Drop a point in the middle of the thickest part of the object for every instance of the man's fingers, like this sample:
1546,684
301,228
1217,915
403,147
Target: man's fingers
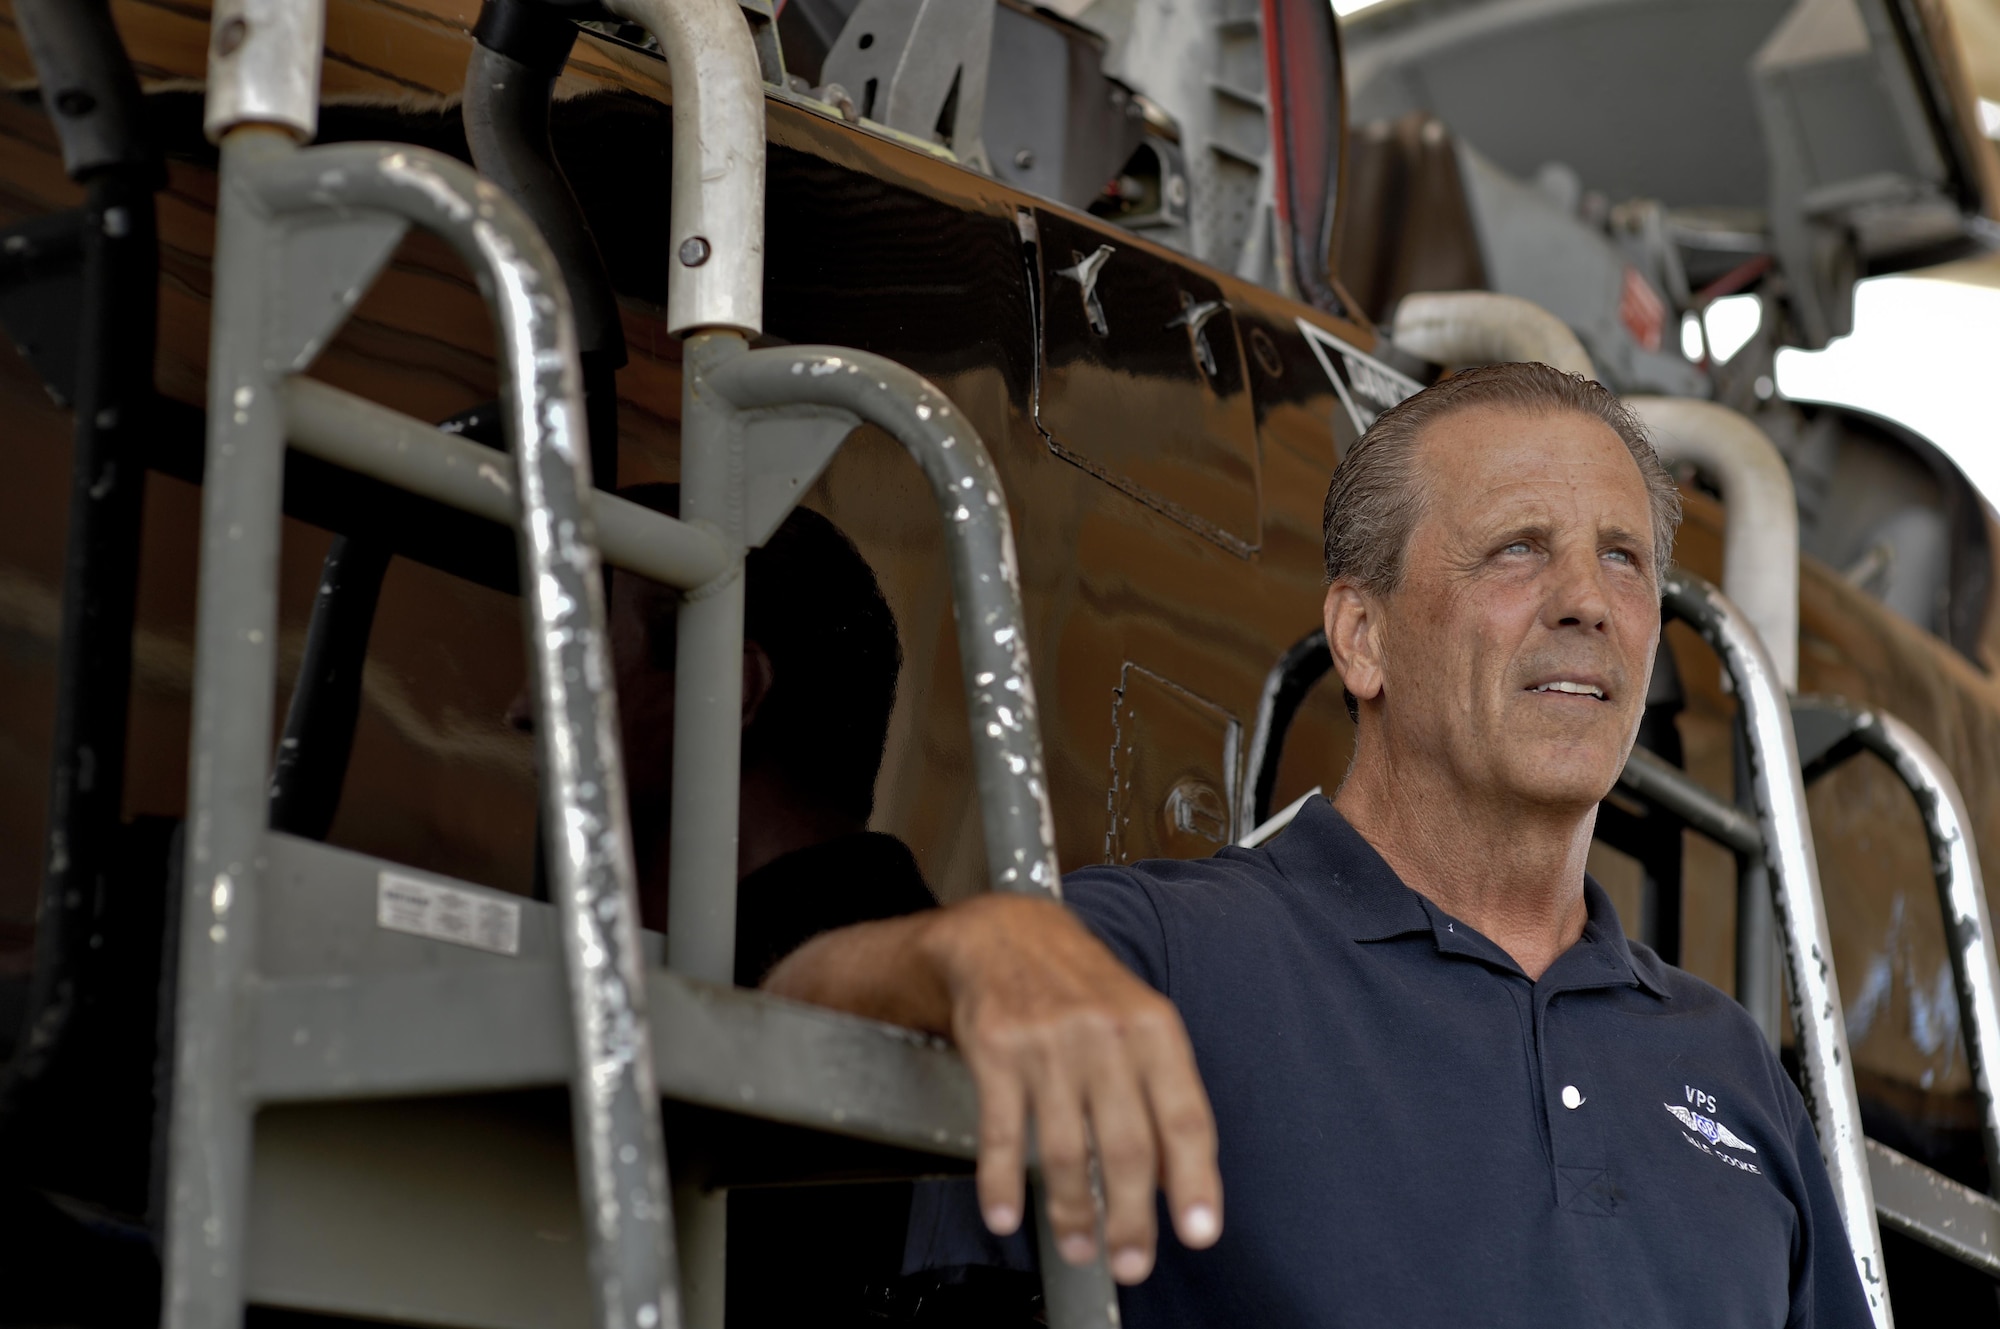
1002,1147
1064,1146
1186,1130
1128,1164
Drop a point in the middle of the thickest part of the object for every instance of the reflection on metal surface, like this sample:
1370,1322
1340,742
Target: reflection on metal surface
1174,758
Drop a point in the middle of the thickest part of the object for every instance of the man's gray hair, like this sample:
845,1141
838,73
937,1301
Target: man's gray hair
1377,491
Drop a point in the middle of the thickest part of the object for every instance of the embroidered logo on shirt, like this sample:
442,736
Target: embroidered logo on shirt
1714,1131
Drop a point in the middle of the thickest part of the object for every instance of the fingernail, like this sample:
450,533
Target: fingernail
1199,1225
1077,1248
1002,1219
1130,1265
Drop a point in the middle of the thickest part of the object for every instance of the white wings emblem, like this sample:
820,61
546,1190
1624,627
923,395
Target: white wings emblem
1714,1131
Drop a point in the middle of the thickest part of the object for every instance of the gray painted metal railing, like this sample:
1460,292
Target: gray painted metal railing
1918,1202
1826,1076
1961,899
757,428
300,234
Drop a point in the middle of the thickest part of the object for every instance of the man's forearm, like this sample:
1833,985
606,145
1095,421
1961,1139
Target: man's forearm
887,970
915,970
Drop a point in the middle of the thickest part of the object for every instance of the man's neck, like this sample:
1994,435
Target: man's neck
1513,873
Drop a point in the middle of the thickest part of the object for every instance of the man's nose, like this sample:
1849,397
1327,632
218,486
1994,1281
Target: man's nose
1579,597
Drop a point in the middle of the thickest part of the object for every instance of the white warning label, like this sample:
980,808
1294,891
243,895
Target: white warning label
446,913
1365,385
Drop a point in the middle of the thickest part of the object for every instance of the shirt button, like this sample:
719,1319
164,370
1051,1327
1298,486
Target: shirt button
1572,1097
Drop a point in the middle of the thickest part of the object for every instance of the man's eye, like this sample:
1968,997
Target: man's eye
1516,547
1622,555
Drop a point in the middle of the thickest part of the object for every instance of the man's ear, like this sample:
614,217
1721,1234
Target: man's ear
758,676
1353,621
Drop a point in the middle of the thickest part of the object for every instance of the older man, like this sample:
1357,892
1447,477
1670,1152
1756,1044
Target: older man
1446,1089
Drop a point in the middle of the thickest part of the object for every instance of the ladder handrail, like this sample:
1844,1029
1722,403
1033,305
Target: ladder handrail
1961,889
715,266
359,198
1962,900
1826,1070
1018,823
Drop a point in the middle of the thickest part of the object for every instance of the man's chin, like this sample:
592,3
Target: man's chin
1564,779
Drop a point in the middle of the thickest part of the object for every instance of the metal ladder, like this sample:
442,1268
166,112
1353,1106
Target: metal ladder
310,975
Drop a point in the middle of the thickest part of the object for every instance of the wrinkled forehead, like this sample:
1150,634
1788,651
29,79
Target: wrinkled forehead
1490,466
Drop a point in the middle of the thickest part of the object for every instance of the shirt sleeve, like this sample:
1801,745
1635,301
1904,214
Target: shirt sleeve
1826,1285
1114,904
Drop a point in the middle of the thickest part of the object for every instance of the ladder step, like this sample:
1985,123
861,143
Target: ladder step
370,1012
1669,788
1920,1203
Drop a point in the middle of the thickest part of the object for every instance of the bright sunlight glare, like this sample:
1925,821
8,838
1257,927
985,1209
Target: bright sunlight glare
1732,322
1691,347
1923,354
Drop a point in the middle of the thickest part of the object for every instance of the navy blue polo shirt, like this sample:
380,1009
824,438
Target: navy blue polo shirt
1412,1133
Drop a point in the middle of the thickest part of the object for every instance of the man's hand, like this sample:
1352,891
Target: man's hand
1055,1030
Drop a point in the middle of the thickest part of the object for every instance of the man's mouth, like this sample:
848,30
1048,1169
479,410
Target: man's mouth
1571,686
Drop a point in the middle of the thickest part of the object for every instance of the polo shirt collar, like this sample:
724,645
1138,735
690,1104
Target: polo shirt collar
1323,853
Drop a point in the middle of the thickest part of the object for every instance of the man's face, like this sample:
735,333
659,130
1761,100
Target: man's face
1516,651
